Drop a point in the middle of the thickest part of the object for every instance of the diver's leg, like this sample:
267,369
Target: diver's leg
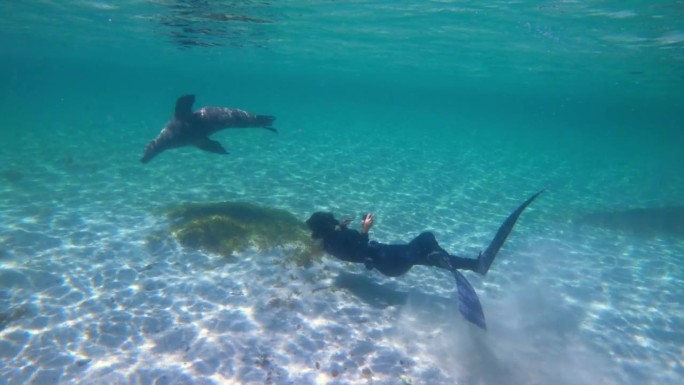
424,250
427,252
461,263
445,261
390,260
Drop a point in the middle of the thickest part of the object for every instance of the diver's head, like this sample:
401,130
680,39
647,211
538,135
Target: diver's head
321,224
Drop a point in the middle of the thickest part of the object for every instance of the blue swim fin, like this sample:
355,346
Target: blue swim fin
468,304
489,254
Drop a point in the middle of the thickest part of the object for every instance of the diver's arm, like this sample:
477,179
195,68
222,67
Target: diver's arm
366,223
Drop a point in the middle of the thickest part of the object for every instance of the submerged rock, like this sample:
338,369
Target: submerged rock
226,228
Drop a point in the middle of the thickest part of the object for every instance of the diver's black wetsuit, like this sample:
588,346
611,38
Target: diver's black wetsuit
395,260
392,260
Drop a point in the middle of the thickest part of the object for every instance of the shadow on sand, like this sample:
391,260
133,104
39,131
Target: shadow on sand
382,295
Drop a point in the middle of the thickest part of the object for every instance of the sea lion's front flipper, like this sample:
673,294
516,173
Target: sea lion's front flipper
211,146
184,107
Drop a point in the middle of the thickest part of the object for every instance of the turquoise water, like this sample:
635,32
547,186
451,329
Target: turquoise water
440,115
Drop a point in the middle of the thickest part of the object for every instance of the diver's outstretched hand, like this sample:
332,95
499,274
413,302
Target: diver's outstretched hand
366,223
487,257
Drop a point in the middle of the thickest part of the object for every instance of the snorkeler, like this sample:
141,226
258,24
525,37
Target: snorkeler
395,260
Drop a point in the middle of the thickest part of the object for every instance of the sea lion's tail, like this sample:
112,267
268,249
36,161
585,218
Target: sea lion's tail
266,121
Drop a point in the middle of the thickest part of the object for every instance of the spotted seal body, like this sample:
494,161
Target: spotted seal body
188,128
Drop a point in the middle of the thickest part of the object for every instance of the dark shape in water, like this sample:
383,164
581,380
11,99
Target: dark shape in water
12,175
242,18
187,128
210,24
374,294
13,314
83,362
646,222
228,227
189,43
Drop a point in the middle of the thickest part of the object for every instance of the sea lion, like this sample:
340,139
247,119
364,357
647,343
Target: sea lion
188,128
